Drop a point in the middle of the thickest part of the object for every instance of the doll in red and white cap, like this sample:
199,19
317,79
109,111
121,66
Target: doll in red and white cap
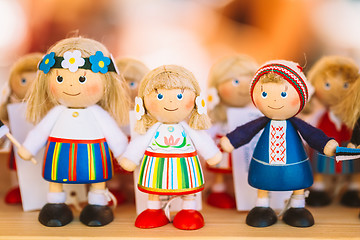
280,91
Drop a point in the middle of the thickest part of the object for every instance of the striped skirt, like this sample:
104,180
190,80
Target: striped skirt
170,174
327,165
77,161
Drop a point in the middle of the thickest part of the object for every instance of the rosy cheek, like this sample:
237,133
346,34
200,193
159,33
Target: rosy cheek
189,104
225,91
295,102
92,89
152,105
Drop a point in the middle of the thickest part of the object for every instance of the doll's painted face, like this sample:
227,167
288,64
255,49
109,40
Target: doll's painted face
77,90
277,101
330,89
21,83
235,92
170,106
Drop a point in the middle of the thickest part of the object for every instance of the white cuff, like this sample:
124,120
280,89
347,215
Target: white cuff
354,186
218,187
318,186
98,197
56,197
262,202
153,204
297,201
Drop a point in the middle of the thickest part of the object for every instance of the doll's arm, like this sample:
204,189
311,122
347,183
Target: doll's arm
38,136
316,138
115,138
243,134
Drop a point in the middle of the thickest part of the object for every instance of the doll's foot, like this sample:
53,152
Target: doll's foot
119,195
318,198
298,217
151,218
261,217
221,200
351,199
96,215
188,220
55,215
13,196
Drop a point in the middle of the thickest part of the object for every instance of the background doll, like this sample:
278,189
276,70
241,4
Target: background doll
22,74
169,96
332,76
229,81
77,99
279,163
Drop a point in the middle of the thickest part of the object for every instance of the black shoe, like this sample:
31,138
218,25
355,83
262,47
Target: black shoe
351,199
318,198
55,215
261,217
298,217
96,215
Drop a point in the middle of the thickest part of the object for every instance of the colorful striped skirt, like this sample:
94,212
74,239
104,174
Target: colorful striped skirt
170,174
77,161
327,165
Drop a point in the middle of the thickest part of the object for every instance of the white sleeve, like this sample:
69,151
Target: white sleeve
137,146
204,144
115,138
38,136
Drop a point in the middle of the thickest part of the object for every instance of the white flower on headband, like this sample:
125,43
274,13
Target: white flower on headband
72,60
201,104
139,108
213,98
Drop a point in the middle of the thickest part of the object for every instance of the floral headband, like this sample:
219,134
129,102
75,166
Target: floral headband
73,61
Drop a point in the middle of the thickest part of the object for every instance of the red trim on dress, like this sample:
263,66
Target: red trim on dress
89,141
170,192
170,155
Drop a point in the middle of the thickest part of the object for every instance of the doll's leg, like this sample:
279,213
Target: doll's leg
55,213
351,197
297,215
188,218
97,212
261,215
218,196
318,195
154,216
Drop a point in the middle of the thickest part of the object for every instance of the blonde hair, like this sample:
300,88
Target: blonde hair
27,63
227,68
170,77
131,69
115,99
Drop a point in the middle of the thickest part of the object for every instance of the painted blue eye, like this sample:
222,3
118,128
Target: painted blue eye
160,96
264,94
23,81
132,85
180,96
327,86
235,82
284,94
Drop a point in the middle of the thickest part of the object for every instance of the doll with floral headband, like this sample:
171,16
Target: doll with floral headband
280,90
229,79
77,100
332,78
170,116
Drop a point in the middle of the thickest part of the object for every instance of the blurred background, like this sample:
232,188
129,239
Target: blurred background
191,33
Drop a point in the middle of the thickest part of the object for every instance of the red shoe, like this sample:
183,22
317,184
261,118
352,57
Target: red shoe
188,220
151,218
119,195
13,196
221,200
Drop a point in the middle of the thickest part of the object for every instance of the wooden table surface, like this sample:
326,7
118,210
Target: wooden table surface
333,222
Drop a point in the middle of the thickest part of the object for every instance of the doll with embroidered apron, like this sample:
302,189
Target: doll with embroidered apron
332,77
77,100
229,79
280,90
171,114
22,74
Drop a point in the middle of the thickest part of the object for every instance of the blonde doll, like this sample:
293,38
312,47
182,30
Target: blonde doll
77,100
22,74
280,91
332,77
169,96
229,81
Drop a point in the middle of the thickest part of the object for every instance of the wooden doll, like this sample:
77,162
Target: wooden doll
169,97
332,76
279,163
229,81
77,101
22,74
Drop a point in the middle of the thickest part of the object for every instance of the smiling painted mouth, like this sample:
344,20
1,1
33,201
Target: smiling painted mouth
73,95
171,110
276,108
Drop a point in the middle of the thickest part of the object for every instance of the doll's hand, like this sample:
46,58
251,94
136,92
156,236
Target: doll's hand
215,159
330,147
127,164
226,144
351,145
24,153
